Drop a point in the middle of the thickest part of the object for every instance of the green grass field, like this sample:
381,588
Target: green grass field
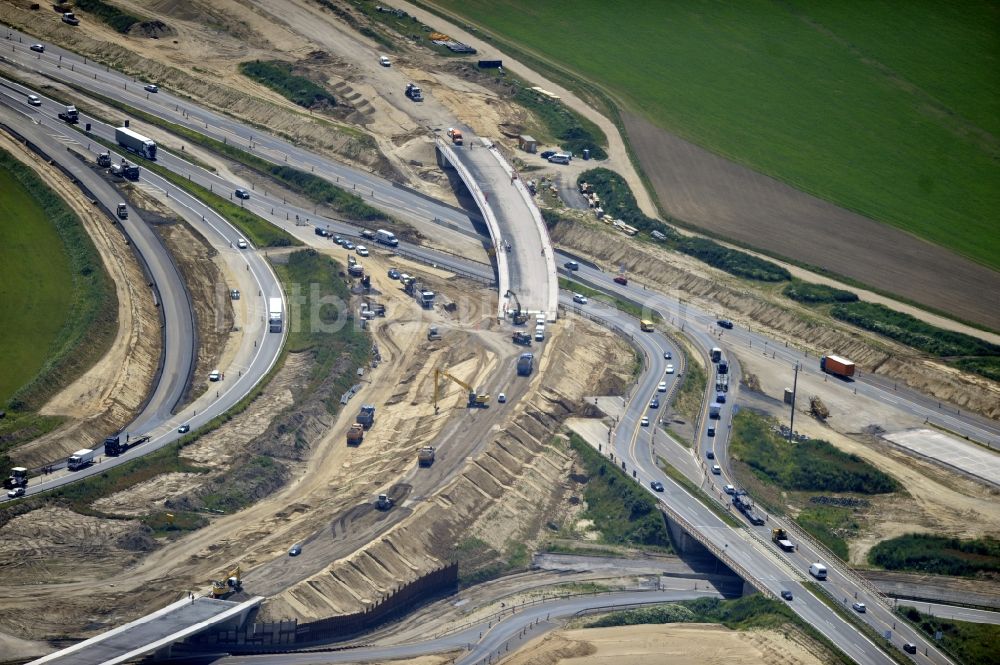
35,285
890,109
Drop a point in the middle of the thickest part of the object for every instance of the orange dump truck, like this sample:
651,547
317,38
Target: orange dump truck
456,136
355,435
837,366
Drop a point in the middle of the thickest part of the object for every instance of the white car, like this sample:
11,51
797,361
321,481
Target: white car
362,250
34,100
716,469
662,387
16,492
729,489
501,398
670,369
384,61
644,422
241,243
215,375
150,88
580,298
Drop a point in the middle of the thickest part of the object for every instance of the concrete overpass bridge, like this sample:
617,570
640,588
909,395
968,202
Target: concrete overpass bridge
524,256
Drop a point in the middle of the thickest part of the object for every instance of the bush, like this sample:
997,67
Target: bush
732,261
278,76
969,642
740,614
912,331
575,134
114,17
938,555
811,465
323,191
619,202
811,294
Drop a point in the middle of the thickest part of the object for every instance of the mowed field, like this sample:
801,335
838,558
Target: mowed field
889,109
35,286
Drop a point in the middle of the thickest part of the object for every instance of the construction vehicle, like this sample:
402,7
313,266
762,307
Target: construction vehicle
427,299
232,583
456,135
476,398
122,211
70,115
113,445
425,456
433,334
522,338
356,270
18,478
125,170
384,502
366,416
356,434
520,318
525,364
414,92
837,366
104,160
780,538
744,504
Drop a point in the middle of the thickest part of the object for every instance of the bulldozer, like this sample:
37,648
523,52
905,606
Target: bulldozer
477,398
232,583
519,317
433,334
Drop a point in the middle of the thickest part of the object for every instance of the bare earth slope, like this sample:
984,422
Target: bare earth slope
723,197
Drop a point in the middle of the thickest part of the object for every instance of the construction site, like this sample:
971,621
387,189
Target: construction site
448,414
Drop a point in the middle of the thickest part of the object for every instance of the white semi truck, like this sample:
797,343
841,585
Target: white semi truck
135,142
274,315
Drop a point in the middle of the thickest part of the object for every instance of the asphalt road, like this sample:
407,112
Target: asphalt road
259,349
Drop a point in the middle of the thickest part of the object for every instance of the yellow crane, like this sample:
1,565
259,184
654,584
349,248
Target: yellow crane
476,398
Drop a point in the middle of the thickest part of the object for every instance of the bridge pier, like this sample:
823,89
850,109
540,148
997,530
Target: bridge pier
442,160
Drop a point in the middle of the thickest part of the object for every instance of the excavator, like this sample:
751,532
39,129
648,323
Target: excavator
233,582
476,398
520,318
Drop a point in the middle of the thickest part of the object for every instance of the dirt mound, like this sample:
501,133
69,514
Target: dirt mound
681,276
152,30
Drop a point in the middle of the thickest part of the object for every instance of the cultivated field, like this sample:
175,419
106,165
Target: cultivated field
34,274
889,109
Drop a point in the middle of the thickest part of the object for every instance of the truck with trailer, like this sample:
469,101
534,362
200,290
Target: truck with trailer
723,367
115,445
274,315
18,478
386,238
104,159
356,434
425,456
780,538
744,504
722,383
715,411
837,365
80,459
525,364
70,115
135,142
366,416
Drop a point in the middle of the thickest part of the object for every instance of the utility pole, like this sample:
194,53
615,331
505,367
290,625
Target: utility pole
795,386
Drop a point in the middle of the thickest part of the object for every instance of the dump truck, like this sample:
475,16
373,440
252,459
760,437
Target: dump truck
18,478
114,445
356,434
384,502
477,398
780,538
433,334
70,115
427,299
122,211
104,160
125,170
355,270
413,92
521,338
525,364
135,142
366,416
80,459
455,135
837,365
425,456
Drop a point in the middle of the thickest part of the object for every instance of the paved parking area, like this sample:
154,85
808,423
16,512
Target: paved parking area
968,457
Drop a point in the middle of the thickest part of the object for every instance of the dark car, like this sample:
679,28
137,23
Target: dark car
725,323
710,454
546,154
40,48
910,647
184,429
711,431
787,595
654,403
242,194
621,279
667,355
572,265
322,232
393,273
657,486
295,551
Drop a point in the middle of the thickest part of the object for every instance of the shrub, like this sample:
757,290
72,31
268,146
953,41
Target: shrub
574,133
116,18
938,555
278,76
732,261
811,294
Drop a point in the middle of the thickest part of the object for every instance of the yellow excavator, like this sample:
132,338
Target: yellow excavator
519,317
233,582
476,398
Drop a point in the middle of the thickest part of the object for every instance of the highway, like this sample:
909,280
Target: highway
748,548
259,349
